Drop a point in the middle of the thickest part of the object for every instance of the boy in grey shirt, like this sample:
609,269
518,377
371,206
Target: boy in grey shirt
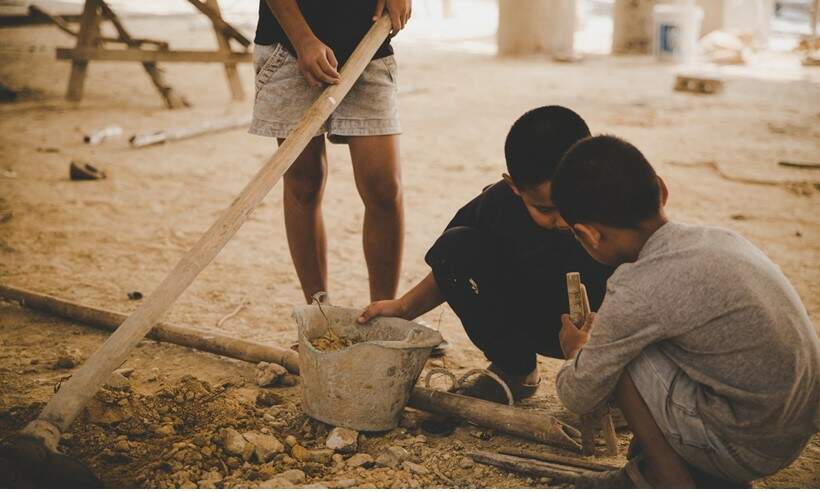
701,340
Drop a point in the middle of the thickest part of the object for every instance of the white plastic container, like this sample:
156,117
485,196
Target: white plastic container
676,29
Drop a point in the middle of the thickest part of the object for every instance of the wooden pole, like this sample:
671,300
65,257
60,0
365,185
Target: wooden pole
231,73
578,311
536,425
163,332
526,466
73,395
557,458
171,98
86,39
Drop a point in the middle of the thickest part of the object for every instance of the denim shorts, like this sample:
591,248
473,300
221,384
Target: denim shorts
283,96
671,397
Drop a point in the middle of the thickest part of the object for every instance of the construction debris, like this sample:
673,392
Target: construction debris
83,171
697,84
97,137
162,136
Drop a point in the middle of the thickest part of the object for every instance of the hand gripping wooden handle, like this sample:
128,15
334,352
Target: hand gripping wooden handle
64,407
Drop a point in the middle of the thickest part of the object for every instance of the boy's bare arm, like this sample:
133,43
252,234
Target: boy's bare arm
316,60
399,11
420,299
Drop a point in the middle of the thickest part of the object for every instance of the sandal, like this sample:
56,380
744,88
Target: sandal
486,387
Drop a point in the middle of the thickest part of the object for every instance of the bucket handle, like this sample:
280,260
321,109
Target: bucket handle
458,383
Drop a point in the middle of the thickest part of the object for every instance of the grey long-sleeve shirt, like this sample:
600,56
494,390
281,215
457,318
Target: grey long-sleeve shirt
727,316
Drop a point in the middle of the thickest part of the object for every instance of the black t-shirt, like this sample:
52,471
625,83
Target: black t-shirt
340,24
536,260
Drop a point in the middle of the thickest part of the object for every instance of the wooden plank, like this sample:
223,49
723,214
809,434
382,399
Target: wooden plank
557,458
231,73
89,30
137,55
220,23
169,96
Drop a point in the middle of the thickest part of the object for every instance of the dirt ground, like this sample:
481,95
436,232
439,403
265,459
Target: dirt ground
96,241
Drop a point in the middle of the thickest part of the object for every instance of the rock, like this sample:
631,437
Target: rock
268,373
338,460
265,447
101,413
342,440
124,371
166,430
289,380
345,483
206,484
466,463
117,382
267,398
415,468
387,460
235,444
68,359
360,459
187,485
324,456
122,445
275,483
291,441
293,476
399,452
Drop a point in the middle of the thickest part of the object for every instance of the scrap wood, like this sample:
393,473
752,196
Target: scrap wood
527,466
556,459
164,332
162,136
62,24
532,424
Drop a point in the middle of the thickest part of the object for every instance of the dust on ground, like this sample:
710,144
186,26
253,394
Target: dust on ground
96,241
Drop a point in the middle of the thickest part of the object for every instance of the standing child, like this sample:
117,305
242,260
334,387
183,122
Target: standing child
701,339
299,47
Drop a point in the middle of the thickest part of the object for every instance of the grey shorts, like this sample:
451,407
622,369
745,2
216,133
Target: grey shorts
671,397
283,96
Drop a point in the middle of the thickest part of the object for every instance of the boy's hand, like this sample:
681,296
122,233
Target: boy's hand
573,338
378,309
399,10
317,62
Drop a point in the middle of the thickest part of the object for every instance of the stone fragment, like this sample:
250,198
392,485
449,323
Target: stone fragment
275,483
324,456
267,398
360,459
387,460
166,430
265,447
117,382
399,452
235,444
293,476
342,440
68,359
291,441
268,374
289,380
415,468
466,463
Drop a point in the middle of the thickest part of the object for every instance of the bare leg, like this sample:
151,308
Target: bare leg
303,189
664,467
378,179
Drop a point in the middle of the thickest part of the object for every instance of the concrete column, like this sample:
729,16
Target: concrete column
632,26
535,26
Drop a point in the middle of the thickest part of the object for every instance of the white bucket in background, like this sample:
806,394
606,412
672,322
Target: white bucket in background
676,29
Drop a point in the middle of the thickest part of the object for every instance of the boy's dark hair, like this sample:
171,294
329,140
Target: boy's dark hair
537,141
606,180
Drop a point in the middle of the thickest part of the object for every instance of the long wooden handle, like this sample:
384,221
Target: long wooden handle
214,343
64,407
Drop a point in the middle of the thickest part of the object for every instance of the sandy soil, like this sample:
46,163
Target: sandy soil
96,241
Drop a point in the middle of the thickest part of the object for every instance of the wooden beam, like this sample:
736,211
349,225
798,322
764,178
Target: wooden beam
133,54
231,73
219,23
169,96
86,39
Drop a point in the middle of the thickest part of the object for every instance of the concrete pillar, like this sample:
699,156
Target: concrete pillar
535,26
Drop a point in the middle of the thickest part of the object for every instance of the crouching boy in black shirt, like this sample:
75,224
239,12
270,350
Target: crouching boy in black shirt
501,263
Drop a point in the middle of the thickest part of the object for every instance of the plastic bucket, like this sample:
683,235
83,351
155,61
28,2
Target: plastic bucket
365,386
676,29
